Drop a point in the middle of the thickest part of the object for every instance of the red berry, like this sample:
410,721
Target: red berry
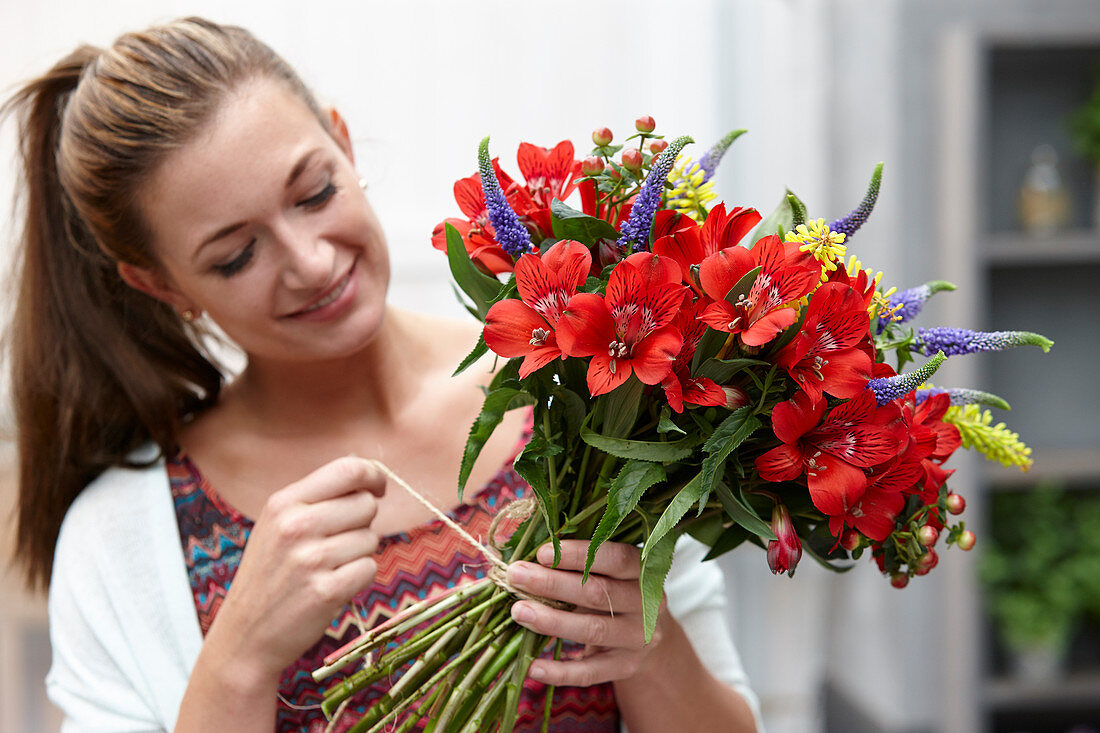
632,159
592,165
927,535
899,580
927,561
955,503
849,540
657,146
602,136
645,123
966,540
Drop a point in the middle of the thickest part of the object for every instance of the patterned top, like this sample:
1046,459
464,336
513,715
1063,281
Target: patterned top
426,559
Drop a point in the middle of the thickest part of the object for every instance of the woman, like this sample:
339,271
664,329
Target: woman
186,170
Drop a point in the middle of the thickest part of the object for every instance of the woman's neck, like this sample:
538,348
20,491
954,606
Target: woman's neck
372,385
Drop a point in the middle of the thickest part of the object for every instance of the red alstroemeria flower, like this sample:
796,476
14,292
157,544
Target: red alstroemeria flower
832,453
785,276
689,246
679,385
825,355
481,247
874,512
526,327
627,332
549,174
937,441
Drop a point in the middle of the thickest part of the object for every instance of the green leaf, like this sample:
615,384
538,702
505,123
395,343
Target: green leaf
743,286
642,450
674,512
740,512
798,209
567,410
655,568
722,370
730,538
781,218
479,351
665,424
533,470
568,223
622,496
709,345
725,439
621,407
479,287
497,402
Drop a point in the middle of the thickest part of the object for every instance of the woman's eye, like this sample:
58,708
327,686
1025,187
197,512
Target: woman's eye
318,200
235,265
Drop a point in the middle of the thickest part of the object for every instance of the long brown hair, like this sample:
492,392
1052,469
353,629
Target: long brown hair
97,368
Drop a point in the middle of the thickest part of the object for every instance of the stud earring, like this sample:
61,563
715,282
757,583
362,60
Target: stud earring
187,315
363,183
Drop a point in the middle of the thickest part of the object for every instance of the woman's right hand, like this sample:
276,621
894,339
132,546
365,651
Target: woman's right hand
310,551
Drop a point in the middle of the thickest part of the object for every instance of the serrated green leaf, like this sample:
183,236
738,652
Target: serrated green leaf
568,223
622,496
740,512
497,402
674,512
655,568
725,439
642,450
479,350
480,288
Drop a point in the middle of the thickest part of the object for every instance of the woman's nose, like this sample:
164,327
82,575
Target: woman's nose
309,260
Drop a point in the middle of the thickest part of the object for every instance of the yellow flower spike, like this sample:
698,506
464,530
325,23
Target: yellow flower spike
995,442
691,192
827,247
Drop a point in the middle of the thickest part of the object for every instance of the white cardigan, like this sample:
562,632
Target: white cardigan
125,632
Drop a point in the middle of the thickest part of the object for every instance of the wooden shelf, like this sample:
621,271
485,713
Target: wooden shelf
1065,465
1073,690
1016,249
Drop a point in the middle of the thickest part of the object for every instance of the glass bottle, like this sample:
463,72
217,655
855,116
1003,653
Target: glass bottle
1044,202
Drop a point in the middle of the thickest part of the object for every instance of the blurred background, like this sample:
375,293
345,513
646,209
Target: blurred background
987,116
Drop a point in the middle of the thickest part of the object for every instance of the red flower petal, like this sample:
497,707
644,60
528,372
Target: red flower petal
570,261
780,464
653,356
540,357
796,417
703,391
508,328
835,485
585,327
605,373
720,271
765,329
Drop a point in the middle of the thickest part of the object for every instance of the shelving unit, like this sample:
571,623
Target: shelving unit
1047,284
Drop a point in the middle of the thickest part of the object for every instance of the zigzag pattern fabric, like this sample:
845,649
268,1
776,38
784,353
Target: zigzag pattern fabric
426,559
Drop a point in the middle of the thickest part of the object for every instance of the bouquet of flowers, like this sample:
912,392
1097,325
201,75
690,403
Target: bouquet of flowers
692,369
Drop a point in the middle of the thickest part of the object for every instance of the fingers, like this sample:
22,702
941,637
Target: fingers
613,559
336,478
599,592
617,664
596,629
332,552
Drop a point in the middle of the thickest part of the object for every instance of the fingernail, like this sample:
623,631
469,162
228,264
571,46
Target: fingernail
536,672
546,554
518,574
522,613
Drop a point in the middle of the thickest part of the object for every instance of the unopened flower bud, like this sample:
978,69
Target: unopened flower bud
592,165
955,503
927,561
614,173
602,136
899,580
927,535
735,397
632,159
966,540
849,540
657,146
784,552
645,123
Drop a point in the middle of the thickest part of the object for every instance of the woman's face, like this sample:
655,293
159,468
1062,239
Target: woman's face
260,222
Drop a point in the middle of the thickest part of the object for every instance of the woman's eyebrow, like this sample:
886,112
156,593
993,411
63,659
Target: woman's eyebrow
296,171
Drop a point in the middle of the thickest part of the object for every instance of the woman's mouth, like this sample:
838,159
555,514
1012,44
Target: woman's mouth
333,302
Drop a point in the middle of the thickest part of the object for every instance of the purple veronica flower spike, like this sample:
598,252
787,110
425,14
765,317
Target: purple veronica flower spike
849,224
709,162
887,389
911,301
955,341
511,235
635,230
962,396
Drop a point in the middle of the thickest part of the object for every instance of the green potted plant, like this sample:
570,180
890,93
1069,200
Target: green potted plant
1031,571
1084,125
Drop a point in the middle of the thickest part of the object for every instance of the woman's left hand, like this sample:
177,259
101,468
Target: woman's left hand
607,619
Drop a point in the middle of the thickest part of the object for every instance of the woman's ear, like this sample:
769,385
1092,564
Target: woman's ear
338,128
154,285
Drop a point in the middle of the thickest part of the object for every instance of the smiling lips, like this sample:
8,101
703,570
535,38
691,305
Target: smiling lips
329,298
